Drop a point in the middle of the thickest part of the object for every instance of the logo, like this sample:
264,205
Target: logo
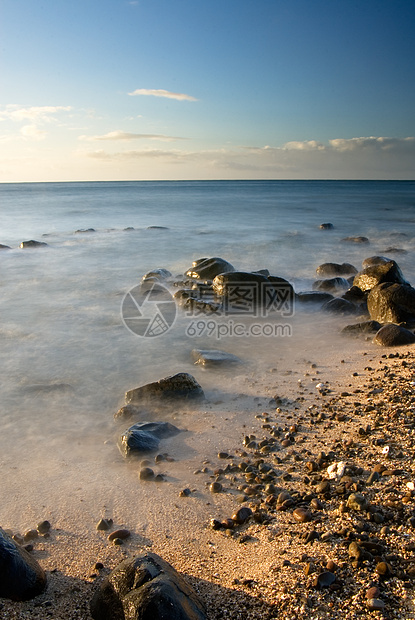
148,310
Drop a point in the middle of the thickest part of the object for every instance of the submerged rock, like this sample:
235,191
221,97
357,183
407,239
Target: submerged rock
159,274
146,587
363,327
392,335
180,386
32,244
208,268
376,274
314,297
213,358
243,292
390,302
326,226
145,437
4,247
356,239
328,270
21,577
331,285
339,306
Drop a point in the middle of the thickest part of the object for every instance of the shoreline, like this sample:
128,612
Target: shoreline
267,567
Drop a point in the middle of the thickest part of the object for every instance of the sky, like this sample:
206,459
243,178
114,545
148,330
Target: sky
218,89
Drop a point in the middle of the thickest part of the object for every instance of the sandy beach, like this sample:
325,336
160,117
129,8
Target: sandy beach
361,417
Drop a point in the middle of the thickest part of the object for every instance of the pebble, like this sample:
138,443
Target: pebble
242,515
302,515
215,487
375,604
146,473
121,534
43,527
357,501
30,535
104,524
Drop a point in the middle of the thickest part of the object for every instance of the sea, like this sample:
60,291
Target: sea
68,357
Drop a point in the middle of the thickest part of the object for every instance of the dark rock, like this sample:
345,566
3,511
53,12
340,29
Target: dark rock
302,515
355,295
146,473
43,527
145,437
391,303
314,297
146,588
214,358
85,230
326,226
332,285
375,604
392,335
375,260
32,244
339,306
22,578
209,268
127,412
121,534
159,274
376,274
396,251
157,228
242,515
330,270
365,327
180,386
324,580
356,239
4,247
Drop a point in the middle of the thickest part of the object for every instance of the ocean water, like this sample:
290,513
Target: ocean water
67,357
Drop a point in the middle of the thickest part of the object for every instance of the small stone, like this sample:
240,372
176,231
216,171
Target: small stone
373,592
98,566
302,515
118,541
375,604
373,477
242,515
104,524
146,473
383,569
215,487
357,501
121,534
185,492
30,535
324,580
355,551
43,527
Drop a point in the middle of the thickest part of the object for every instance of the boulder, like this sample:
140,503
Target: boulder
159,274
214,358
391,303
376,274
177,387
21,577
355,295
331,285
364,327
314,297
356,239
326,226
244,292
339,306
4,247
146,588
209,268
329,270
32,244
145,437
374,260
392,335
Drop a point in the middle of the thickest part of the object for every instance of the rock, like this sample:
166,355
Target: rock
157,228
391,335
22,578
242,515
326,226
4,247
355,552
104,524
357,501
127,412
329,270
209,268
365,327
244,292
32,244
339,306
331,285
376,274
302,515
375,604
214,358
43,527
144,437
356,239
375,260
324,580
148,588
215,487
121,534
159,274
314,297
180,386
355,295
146,473
391,302
85,230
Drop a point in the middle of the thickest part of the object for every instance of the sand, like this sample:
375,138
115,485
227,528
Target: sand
260,569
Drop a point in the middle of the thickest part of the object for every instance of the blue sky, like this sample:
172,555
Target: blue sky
185,89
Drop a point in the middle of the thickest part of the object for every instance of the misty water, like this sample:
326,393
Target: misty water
67,357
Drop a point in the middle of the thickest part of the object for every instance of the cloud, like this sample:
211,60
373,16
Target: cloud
32,132
172,155
123,135
32,113
162,93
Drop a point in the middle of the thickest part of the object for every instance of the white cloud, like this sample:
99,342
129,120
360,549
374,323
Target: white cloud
32,132
162,93
33,113
123,135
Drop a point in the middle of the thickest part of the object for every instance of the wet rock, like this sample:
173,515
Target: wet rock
356,239
121,534
330,270
215,487
364,327
4,247
314,297
32,244
376,274
355,295
391,303
242,515
145,436
146,473
242,291
85,230
148,588
127,412
158,274
326,226
209,268
392,335
21,577
214,358
157,228
374,260
339,306
384,569
331,285
355,552
302,515
180,386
